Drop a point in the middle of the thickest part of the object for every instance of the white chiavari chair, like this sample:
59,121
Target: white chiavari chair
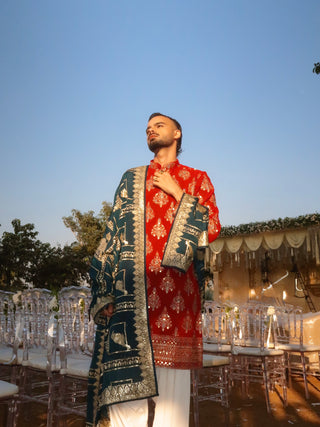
211,383
10,329
254,358
39,349
216,328
301,358
76,347
10,336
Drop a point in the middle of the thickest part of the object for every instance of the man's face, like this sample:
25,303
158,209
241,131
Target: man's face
161,132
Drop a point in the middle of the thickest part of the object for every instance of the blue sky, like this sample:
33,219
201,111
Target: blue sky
79,79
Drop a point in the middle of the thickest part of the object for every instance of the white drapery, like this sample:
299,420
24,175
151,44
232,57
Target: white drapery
271,240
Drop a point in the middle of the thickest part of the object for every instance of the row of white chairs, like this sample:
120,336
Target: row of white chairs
264,343
40,335
51,335
245,343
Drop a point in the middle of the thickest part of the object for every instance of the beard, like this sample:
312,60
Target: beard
156,144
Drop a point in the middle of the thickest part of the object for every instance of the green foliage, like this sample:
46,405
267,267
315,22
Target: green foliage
316,68
87,228
67,266
18,251
25,260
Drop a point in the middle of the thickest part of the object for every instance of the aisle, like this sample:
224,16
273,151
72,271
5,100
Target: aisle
246,413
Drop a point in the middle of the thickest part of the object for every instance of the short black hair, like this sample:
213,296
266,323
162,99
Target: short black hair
178,126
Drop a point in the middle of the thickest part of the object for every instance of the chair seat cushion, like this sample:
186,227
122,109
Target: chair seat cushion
77,365
7,389
210,360
7,357
37,358
216,348
256,351
299,348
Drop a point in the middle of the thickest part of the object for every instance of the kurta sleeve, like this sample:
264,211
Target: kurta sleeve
105,264
206,195
196,223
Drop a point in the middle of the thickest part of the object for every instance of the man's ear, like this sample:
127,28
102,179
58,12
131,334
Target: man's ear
177,133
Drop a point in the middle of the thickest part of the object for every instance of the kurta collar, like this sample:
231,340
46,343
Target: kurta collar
168,166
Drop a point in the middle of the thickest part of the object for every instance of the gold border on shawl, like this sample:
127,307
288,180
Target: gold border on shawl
142,321
96,374
203,241
147,387
171,258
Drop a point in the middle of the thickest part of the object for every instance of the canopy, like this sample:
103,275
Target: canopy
271,241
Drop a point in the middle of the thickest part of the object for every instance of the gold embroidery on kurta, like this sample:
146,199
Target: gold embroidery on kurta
188,287
184,174
158,230
187,323
212,226
191,187
178,304
149,247
177,352
149,212
164,320
167,283
206,184
154,300
155,264
169,215
160,198
149,185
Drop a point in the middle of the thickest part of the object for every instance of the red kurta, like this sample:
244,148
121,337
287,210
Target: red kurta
173,297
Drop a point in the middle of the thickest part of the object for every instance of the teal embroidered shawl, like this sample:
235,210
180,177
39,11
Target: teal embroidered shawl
122,367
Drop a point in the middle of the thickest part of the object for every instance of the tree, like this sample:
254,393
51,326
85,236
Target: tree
25,260
18,251
87,228
316,68
67,266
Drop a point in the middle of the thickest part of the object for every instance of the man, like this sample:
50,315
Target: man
148,287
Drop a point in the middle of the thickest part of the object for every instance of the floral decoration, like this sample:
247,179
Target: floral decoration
301,221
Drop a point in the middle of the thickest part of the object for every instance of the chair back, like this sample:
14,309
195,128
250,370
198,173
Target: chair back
7,318
78,331
216,323
252,326
289,326
36,314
